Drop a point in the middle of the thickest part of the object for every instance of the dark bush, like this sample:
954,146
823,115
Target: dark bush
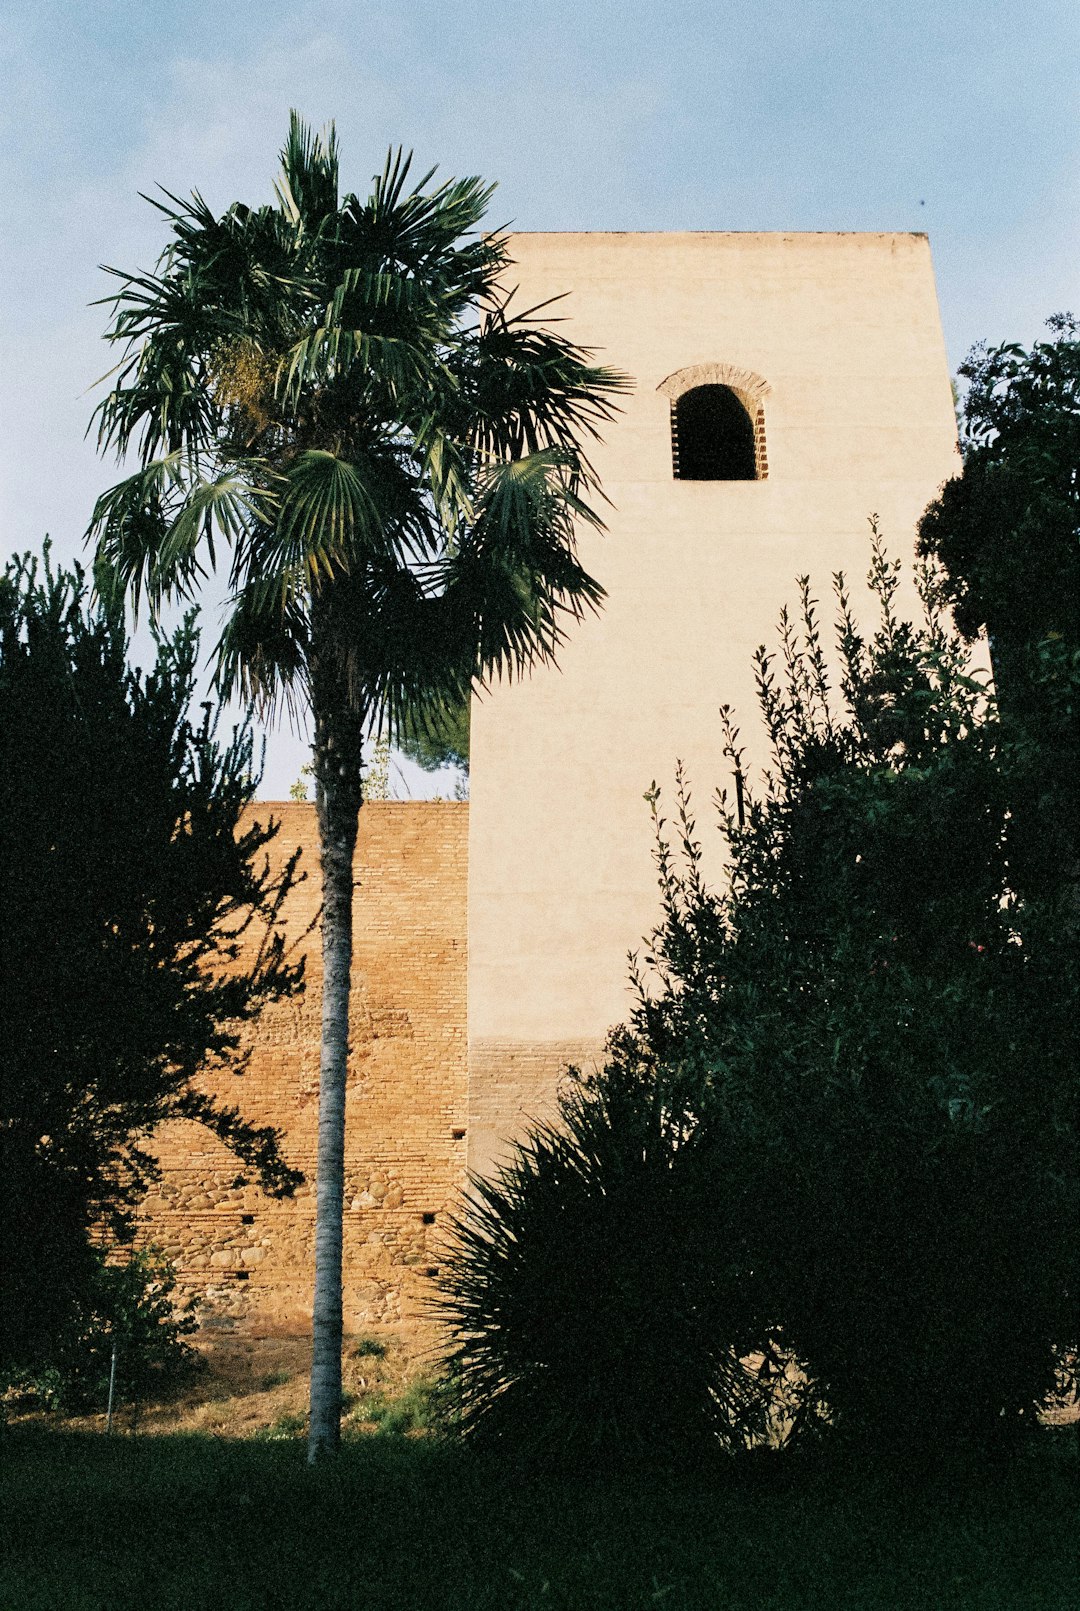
127,1305
139,930
888,1018
840,1131
600,1300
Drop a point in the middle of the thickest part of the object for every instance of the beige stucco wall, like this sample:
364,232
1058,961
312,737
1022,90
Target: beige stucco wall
844,331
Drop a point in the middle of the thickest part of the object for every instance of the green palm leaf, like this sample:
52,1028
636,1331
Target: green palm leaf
329,512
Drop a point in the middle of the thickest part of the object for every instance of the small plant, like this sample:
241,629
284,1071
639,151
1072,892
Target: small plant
405,1414
274,1378
283,1429
369,1348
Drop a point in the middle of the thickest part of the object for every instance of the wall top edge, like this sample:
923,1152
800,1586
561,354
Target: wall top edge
821,236
308,806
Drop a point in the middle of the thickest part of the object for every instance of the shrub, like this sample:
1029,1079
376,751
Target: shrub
369,1348
888,1024
129,1305
839,1132
600,1291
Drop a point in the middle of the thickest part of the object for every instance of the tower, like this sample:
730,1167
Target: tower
787,386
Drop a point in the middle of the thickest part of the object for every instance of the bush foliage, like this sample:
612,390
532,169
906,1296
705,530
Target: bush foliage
839,1131
600,1303
138,931
126,1305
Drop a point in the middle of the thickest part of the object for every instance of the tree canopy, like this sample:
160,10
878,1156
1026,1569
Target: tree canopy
1007,530
137,934
443,741
1007,534
849,1085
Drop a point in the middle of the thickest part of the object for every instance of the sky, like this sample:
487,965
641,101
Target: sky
960,119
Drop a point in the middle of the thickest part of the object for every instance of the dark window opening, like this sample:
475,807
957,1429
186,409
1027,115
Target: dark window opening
712,436
247,1219
427,1219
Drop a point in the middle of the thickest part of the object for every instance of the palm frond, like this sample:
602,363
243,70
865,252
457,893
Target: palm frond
523,388
307,188
150,527
224,506
515,581
446,467
129,523
262,652
429,235
389,362
393,637
328,512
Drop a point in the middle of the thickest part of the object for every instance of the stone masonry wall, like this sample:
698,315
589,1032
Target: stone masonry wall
247,1258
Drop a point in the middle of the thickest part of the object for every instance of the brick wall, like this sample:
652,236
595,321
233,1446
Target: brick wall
249,1259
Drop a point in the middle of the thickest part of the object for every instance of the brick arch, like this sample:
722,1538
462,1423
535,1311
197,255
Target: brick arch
749,388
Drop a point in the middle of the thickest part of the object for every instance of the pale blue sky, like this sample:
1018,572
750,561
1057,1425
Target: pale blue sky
958,119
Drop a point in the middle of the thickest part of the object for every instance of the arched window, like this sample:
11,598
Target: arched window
712,436
717,423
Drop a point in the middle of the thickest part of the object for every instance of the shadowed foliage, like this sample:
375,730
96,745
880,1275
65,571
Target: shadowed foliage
1007,533
443,742
599,1294
878,1013
839,1133
137,934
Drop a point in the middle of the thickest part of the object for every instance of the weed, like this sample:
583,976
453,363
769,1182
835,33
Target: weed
412,1412
285,1427
369,1348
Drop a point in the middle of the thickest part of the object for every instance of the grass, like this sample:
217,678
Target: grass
396,1523
395,1413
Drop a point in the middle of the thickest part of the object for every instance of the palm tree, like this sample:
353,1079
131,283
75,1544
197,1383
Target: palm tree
337,394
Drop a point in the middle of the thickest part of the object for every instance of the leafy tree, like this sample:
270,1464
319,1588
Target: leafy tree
339,392
1007,532
136,935
873,1010
443,742
868,1044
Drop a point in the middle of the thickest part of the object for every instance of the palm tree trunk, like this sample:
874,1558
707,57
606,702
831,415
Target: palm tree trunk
338,794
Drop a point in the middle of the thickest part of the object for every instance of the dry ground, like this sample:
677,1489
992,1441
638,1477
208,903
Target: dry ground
258,1387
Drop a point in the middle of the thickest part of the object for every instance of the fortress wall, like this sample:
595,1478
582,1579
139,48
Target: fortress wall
249,1258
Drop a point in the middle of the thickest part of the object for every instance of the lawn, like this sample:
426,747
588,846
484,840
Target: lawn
192,1522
